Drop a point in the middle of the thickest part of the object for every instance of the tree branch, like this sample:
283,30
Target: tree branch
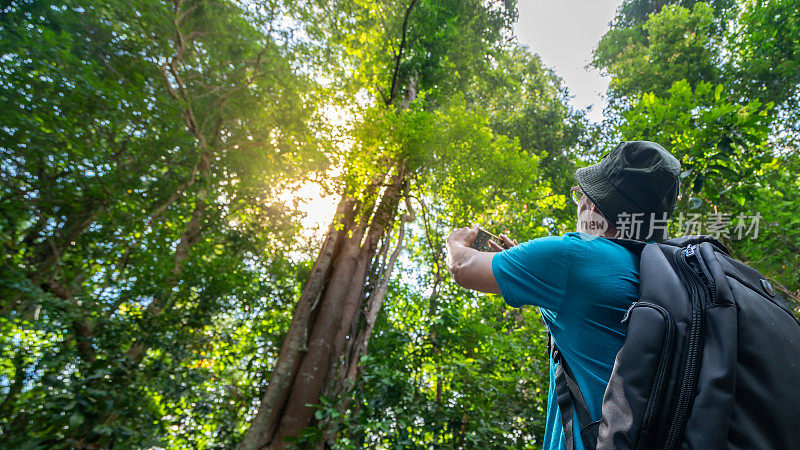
398,58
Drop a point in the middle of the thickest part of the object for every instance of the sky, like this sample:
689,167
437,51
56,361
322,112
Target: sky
564,33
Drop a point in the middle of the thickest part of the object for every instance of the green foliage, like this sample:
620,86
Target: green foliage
466,181
129,138
146,148
527,101
766,51
722,145
674,44
471,373
636,12
439,43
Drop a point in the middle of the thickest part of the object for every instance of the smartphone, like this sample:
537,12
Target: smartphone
481,242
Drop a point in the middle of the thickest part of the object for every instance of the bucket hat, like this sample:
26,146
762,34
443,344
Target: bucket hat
636,177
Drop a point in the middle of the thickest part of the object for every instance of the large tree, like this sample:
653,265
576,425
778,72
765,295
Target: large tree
425,49
142,146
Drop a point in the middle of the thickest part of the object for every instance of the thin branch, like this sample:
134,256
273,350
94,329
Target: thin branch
185,14
393,90
385,99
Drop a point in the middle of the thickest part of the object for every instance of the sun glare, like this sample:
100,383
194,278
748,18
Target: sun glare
315,206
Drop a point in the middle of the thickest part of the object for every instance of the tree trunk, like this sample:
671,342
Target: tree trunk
262,427
360,336
301,372
299,378
314,366
340,302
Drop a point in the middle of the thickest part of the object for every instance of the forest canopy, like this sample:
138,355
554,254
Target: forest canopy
160,285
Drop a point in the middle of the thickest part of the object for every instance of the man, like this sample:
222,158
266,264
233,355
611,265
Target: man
581,282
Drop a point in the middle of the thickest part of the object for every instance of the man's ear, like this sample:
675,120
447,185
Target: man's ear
595,209
611,231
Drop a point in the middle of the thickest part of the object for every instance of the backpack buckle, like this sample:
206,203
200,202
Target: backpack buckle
552,350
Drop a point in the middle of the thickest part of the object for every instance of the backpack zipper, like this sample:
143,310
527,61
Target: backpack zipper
663,363
693,353
710,285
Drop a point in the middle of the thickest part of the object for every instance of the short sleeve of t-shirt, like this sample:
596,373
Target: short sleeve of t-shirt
534,273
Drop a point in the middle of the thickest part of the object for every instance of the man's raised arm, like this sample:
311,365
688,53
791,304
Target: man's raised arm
470,268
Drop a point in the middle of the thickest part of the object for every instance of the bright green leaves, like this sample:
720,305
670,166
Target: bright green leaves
440,44
481,176
121,120
474,173
722,145
527,101
766,49
475,372
673,44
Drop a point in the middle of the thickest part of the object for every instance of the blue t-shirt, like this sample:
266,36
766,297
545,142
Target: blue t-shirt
583,285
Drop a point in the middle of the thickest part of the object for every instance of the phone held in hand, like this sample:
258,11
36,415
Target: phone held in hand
481,242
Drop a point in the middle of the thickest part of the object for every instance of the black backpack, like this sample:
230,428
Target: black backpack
711,359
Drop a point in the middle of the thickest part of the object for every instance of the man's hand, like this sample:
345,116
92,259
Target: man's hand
464,236
470,268
509,242
458,240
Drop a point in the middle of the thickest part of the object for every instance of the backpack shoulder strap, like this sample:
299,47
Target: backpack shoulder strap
630,244
684,241
570,399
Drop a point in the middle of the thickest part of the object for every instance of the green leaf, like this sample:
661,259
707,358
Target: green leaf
76,420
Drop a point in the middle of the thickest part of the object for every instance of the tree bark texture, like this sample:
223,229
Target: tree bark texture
313,353
320,347
340,304
262,427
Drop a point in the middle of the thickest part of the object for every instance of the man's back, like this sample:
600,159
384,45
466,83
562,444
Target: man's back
583,285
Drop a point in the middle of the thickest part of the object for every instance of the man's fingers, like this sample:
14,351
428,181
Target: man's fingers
464,235
496,246
508,240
